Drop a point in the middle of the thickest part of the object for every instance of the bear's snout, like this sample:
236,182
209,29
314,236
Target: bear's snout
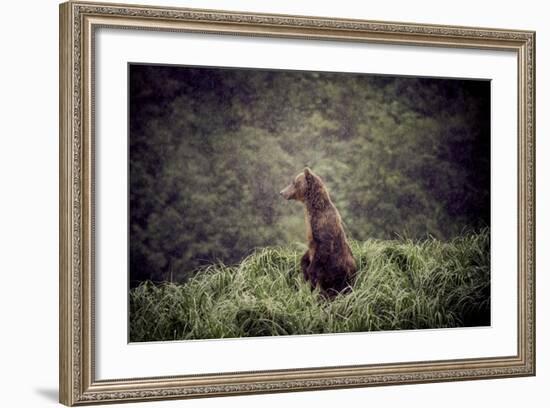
287,192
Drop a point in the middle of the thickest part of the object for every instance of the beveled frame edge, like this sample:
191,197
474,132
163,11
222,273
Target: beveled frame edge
76,367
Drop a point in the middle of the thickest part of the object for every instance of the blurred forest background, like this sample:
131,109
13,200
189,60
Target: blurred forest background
210,149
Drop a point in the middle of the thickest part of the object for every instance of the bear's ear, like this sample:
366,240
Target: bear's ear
310,178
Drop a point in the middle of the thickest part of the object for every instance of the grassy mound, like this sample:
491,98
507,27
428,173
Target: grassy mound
400,284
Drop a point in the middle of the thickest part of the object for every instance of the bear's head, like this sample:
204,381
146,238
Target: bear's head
306,187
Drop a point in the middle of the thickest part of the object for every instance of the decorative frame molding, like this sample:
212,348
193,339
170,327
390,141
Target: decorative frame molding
78,20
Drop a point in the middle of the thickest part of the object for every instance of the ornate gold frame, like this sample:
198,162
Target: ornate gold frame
78,20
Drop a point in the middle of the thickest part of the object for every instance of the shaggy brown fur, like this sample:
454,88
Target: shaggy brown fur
328,262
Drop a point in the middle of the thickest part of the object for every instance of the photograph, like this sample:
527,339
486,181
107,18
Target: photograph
265,202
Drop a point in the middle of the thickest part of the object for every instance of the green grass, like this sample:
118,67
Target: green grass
400,284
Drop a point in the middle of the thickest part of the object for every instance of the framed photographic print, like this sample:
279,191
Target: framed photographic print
262,203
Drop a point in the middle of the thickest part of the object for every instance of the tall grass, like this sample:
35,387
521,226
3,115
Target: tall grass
400,284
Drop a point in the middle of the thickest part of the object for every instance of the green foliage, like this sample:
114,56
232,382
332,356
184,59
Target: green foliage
211,148
401,284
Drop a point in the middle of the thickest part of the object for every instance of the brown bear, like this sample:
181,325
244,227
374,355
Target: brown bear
328,262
